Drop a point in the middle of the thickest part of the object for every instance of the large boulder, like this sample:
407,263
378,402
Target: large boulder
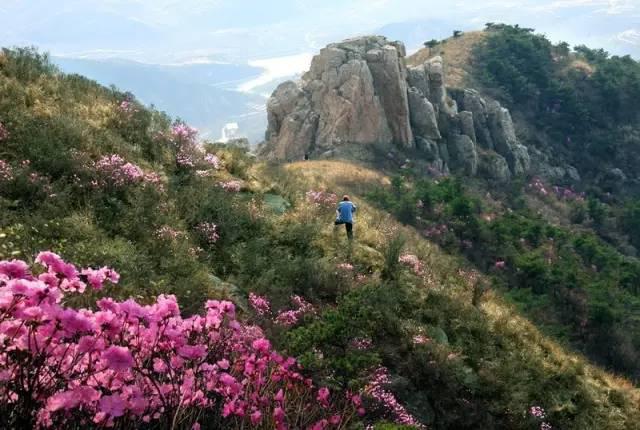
429,148
291,122
466,125
493,166
417,77
354,92
389,75
423,115
463,153
437,91
472,102
504,136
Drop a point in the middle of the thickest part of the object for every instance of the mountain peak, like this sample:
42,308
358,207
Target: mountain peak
361,92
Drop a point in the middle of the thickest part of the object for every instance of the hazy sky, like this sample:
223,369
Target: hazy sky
234,30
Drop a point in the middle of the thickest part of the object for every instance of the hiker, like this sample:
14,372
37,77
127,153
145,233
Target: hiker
344,215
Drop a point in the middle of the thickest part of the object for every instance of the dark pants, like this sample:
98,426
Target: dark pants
348,226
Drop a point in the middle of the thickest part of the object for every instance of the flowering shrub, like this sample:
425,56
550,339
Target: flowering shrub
209,232
127,108
231,186
413,262
291,317
126,364
376,389
420,339
538,186
539,414
167,232
322,198
259,304
116,171
4,133
26,183
361,343
6,171
537,411
182,133
286,318
213,160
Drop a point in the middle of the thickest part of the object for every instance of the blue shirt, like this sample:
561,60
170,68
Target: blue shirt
345,211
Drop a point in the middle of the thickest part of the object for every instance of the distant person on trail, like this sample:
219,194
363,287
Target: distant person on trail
344,215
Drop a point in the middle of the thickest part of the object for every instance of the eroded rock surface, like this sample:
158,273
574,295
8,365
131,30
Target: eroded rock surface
360,91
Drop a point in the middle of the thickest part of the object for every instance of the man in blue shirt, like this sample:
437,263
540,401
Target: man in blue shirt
344,215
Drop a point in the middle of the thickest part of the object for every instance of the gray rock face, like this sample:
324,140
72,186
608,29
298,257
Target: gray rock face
493,166
354,92
390,80
292,121
472,102
463,153
505,140
466,125
418,78
360,91
437,91
423,115
429,148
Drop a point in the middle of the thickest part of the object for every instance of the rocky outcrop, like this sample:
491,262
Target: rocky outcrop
360,91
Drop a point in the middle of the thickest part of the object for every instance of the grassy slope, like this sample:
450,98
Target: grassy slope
493,364
504,348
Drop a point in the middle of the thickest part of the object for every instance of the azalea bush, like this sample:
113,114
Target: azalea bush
129,365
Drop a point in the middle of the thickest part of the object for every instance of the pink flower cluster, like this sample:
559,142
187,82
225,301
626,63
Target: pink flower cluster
376,389
231,186
347,267
185,158
259,304
361,343
182,133
568,193
116,171
539,413
213,160
4,133
209,232
538,186
286,318
125,364
420,339
127,107
291,317
6,171
321,198
167,232
500,264
413,262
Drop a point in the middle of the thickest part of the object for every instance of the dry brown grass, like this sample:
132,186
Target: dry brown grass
456,52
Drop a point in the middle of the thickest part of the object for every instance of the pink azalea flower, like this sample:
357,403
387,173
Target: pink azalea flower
112,405
256,417
118,358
